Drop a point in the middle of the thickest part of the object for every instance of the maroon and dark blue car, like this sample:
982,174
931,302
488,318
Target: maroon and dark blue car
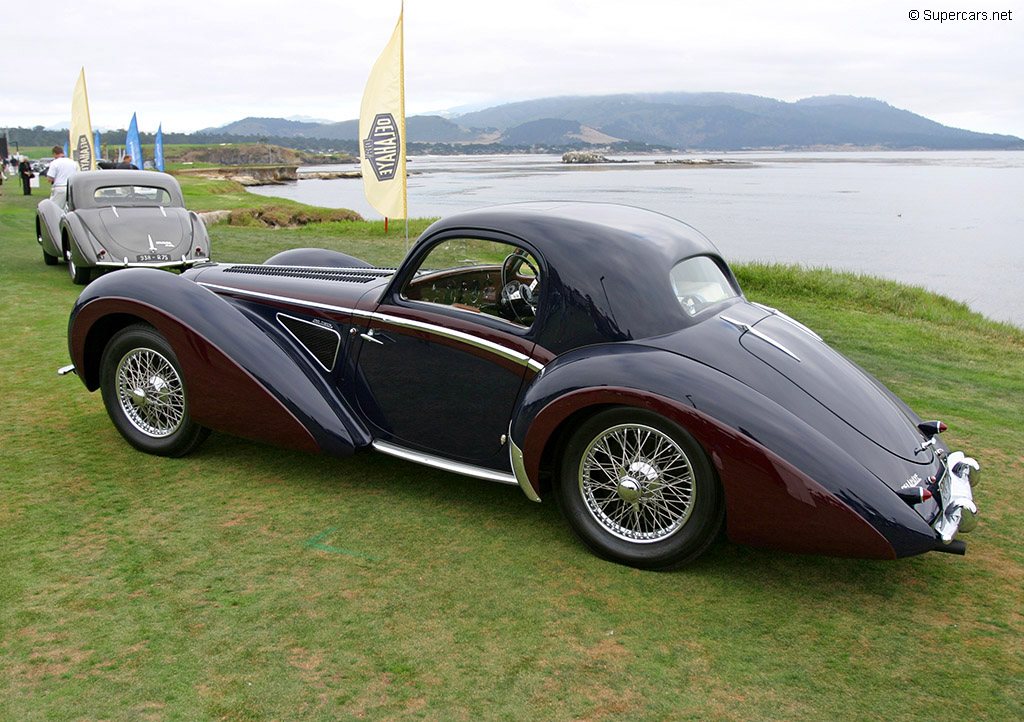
603,356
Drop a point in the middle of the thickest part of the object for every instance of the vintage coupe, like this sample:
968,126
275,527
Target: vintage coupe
601,355
120,219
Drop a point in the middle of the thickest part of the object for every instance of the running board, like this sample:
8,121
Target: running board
456,467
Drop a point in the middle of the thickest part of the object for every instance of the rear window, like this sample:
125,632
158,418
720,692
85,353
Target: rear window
699,283
132,196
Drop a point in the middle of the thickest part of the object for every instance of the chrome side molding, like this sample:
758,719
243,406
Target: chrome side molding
436,462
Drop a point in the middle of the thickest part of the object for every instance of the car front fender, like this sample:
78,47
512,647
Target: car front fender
786,485
239,379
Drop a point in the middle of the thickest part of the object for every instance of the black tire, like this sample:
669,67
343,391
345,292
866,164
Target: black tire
47,258
79,275
145,394
638,489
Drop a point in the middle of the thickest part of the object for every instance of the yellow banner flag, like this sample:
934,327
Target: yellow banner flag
80,138
382,131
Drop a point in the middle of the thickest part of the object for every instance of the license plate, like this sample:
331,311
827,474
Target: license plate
151,257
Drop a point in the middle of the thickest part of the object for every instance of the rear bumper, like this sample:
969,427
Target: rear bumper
180,263
958,511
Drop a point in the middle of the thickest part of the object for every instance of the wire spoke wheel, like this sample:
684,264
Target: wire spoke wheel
145,394
638,489
150,392
637,483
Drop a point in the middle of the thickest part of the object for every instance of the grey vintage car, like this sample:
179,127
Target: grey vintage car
120,219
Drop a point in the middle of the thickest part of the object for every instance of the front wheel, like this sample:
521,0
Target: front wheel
145,395
638,489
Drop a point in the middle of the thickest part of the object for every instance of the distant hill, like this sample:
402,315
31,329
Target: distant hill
682,121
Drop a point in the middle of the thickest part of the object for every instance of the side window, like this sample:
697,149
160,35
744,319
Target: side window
472,274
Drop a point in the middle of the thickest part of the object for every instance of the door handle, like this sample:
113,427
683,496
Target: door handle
370,337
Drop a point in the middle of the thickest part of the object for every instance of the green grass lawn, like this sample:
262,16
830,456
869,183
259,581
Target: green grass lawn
245,582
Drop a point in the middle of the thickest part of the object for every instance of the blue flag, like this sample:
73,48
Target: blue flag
158,149
133,145
65,147
96,143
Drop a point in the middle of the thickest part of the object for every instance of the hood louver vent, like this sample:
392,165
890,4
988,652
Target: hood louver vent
321,342
352,275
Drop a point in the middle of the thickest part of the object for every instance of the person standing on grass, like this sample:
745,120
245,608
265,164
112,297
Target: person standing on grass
25,171
59,171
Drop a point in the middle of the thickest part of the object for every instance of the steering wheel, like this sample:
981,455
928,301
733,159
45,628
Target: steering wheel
519,297
692,302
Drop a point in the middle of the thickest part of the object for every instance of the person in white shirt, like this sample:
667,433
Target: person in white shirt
59,171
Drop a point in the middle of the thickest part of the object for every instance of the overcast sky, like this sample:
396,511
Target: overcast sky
191,64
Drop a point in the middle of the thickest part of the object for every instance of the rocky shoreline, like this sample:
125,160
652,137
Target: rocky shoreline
587,157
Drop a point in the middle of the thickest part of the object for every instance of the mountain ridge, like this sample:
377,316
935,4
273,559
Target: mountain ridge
711,121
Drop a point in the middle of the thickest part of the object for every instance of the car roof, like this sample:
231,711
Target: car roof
573,226
84,184
608,263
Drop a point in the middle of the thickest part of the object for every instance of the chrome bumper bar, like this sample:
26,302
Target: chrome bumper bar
154,264
959,513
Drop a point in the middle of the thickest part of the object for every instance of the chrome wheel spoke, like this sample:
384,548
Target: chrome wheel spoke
150,392
637,483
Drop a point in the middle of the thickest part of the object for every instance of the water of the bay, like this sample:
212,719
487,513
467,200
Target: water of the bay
952,222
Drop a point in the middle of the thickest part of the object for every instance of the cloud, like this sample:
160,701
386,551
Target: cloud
197,64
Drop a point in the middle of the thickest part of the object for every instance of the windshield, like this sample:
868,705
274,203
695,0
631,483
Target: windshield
698,283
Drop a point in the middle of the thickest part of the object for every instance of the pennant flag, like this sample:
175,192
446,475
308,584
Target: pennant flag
382,131
80,134
96,144
133,146
158,149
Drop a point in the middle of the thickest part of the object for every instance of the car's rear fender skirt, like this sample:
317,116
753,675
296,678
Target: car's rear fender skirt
239,380
48,231
786,486
80,243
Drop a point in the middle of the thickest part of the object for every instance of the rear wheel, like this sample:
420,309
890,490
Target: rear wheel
145,395
79,276
638,489
48,259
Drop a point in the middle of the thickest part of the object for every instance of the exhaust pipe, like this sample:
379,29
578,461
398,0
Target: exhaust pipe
957,546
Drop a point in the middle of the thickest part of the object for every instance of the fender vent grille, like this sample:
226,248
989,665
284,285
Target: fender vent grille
352,275
321,342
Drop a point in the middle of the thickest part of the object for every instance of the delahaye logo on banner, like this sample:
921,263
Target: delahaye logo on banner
381,147
83,153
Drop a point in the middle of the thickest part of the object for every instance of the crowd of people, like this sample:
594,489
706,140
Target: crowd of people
57,172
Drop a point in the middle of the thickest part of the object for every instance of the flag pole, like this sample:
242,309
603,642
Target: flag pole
401,81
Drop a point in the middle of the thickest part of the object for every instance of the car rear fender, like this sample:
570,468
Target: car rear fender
239,379
82,244
200,236
786,486
48,226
